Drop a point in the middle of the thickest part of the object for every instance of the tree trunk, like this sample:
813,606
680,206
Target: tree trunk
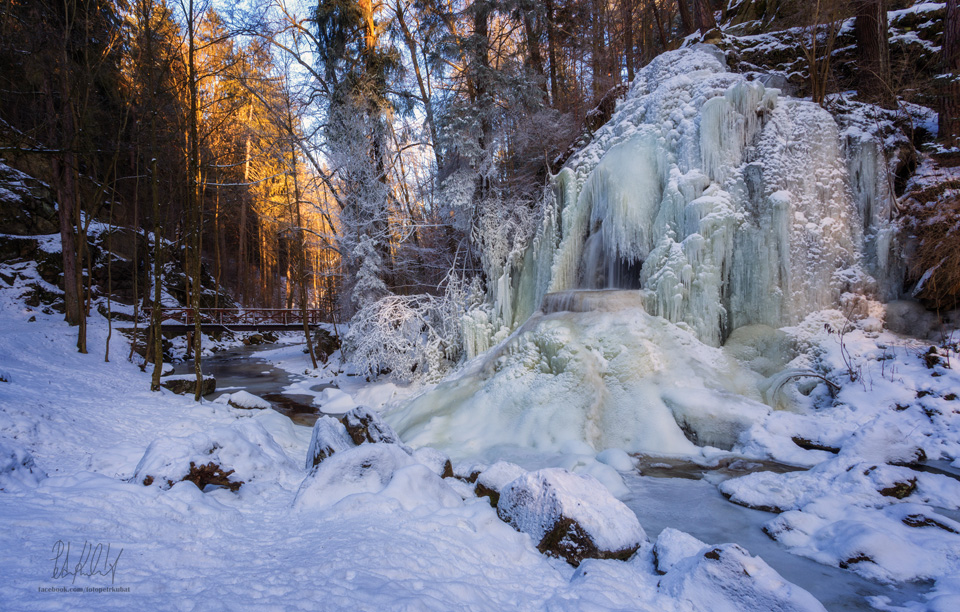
195,217
870,28
704,16
552,55
686,19
626,8
949,125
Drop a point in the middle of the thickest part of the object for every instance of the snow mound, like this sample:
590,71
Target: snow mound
618,459
334,401
673,546
245,447
329,436
570,516
384,469
727,579
246,400
17,467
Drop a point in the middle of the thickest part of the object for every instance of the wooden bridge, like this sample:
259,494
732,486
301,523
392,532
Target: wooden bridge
182,320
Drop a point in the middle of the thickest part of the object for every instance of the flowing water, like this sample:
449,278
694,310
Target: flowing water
240,369
698,508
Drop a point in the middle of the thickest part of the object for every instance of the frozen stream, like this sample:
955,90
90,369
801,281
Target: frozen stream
697,507
686,503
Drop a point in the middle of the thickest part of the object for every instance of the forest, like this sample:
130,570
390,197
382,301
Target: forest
480,304
328,156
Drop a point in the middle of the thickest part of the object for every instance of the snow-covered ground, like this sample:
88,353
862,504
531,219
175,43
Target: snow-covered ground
79,435
88,425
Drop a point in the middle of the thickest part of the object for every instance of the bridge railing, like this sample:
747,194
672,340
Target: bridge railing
247,316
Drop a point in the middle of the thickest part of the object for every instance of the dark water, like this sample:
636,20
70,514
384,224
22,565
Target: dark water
240,369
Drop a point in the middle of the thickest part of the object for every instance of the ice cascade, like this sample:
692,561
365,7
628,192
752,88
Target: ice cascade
722,202
708,208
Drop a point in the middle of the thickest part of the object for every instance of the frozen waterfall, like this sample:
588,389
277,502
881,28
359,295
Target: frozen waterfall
724,203
708,204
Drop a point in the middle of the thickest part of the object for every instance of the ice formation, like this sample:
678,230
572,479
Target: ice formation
708,209
722,202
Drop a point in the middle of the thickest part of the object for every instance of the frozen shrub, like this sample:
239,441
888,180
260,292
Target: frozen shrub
410,337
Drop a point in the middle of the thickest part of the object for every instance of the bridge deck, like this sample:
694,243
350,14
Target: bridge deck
181,328
182,320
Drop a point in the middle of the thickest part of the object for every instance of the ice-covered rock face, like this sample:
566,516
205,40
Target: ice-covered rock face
723,203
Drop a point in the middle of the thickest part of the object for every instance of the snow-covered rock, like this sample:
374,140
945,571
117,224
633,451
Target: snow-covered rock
329,436
247,400
727,579
672,546
492,480
365,425
570,516
334,401
376,469
438,463
243,452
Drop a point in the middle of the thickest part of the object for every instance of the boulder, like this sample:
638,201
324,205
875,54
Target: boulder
247,401
492,480
329,436
438,463
365,425
253,339
726,578
570,516
185,384
673,546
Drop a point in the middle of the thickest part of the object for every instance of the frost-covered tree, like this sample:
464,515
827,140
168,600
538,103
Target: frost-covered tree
410,337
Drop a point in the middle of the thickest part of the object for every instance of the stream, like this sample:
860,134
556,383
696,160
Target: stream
669,494
698,508
239,369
